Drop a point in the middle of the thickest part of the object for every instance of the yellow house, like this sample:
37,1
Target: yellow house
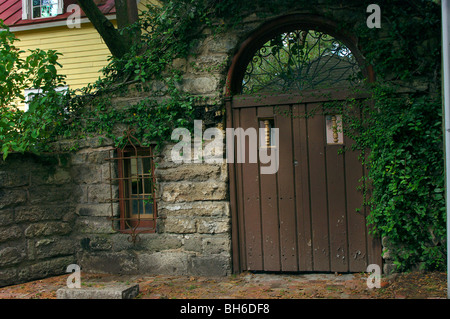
62,26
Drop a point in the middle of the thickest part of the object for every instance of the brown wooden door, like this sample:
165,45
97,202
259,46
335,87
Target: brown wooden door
309,215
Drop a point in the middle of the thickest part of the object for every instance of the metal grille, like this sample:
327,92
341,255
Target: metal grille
132,169
300,60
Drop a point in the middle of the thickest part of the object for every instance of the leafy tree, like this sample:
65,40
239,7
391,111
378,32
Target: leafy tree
19,130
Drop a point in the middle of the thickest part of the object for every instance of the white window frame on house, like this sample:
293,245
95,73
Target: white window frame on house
27,8
29,93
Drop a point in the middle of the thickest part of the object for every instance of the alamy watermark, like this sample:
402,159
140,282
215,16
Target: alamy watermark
374,279
374,19
74,280
198,150
74,20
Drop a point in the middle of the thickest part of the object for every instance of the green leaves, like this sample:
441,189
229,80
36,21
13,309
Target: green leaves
26,131
406,170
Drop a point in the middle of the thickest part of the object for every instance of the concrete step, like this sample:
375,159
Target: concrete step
99,291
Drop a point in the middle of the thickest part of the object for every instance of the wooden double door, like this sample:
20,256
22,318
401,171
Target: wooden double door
309,215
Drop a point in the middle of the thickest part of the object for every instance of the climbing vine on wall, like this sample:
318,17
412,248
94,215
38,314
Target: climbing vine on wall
403,131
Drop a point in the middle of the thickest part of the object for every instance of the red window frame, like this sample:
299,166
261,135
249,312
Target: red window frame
134,192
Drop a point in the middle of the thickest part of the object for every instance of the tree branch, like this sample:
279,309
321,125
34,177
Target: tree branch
116,44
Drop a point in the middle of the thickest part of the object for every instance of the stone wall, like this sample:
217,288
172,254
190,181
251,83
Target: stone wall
193,226
38,198
54,212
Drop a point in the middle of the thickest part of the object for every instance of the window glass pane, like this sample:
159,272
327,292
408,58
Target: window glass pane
37,12
45,8
137,184
48,11
145,207
146,176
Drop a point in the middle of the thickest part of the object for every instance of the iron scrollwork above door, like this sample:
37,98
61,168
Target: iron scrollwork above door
301,60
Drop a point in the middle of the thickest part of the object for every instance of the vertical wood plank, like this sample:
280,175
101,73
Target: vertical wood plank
318,189
251,195
269,211
235,242
301,176
355,211
286,193
337,208
239,199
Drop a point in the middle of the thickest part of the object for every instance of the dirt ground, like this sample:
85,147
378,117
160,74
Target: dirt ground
413,285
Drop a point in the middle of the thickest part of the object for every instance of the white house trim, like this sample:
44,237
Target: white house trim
51,24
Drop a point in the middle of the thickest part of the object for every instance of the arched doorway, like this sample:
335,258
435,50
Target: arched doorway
308,215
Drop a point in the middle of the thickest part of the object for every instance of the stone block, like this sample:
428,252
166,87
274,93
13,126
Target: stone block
213,226
189,172
10,256
192,243
104,291
208,64
59,177
389,268
6,217
8,276
39,213
94,142
10,233
47,229
215,266
108,262
179,64
193,191
45,194
180,225
98,210
164,263
42,269
108,172
14,178
216,44
52,247
216,245
200,85
12,198
158,242
93,225
199,208
101,193
39,176
96,243
87,174
91,156
99,155
112,241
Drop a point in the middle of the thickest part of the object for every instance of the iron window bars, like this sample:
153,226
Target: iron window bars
135,176
300,60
